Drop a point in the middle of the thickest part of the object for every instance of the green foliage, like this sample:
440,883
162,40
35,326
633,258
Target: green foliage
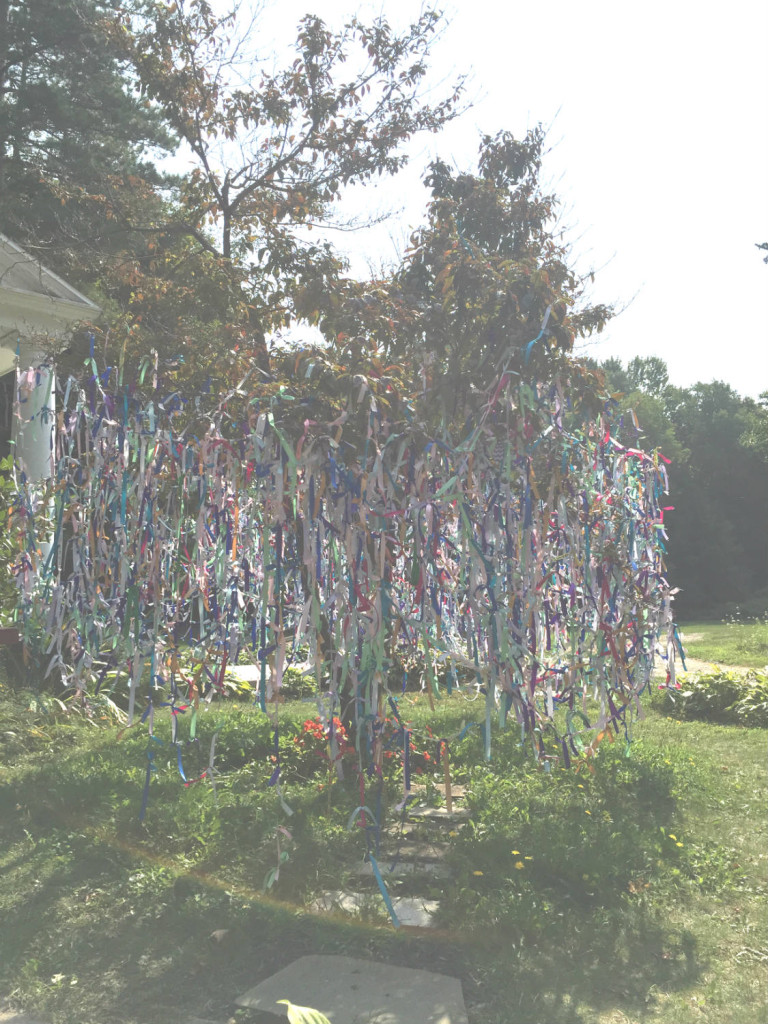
302,134
723,697
755,437
73,131
660,887
718,485
198,265
485,288
8,551
235,225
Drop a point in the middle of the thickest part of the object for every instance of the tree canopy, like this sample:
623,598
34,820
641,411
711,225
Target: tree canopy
199,264
74,132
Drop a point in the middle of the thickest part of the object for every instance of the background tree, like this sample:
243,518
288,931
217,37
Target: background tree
718,549
755,437
485,288
198,265
274,150
73,133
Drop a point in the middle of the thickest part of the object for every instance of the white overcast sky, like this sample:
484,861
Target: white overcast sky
658,116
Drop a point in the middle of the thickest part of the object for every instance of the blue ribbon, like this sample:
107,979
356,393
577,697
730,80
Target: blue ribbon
383,890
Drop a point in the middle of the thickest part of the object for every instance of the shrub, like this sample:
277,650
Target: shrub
309,749
8,550
723,697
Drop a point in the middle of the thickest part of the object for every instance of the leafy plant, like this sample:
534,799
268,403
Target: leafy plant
303,1014
309,748
7,549
616,867
724,697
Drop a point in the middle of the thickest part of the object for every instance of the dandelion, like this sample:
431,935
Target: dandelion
478,874
527,858
671,836
587,812
678,844
519,865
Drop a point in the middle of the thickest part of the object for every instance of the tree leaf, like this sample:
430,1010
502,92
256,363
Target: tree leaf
303,1014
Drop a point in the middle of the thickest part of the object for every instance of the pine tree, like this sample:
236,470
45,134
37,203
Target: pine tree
74,132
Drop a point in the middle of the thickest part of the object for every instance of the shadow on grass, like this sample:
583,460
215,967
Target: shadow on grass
147,956
99,928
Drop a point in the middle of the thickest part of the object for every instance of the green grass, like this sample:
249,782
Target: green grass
728,643
641,896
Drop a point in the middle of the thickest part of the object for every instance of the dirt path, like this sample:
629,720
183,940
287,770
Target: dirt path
698,667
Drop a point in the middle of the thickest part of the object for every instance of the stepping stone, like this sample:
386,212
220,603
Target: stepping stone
403,869
415,912
439,814
352,991
415,851
349,902
458,792
246,673
411,910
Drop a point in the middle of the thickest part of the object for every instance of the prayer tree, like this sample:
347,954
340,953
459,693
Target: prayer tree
440,484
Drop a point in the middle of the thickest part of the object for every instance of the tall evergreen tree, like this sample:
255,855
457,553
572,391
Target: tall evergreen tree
74,132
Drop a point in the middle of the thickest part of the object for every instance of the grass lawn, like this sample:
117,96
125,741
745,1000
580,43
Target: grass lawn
728,643
641,895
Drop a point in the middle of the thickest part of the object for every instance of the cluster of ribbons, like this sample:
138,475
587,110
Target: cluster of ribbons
525,563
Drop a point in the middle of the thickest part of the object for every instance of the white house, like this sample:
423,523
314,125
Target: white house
35,303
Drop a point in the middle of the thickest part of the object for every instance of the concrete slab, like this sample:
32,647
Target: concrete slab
252,673
352,991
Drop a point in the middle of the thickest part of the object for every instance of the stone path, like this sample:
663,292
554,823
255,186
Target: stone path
411,861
